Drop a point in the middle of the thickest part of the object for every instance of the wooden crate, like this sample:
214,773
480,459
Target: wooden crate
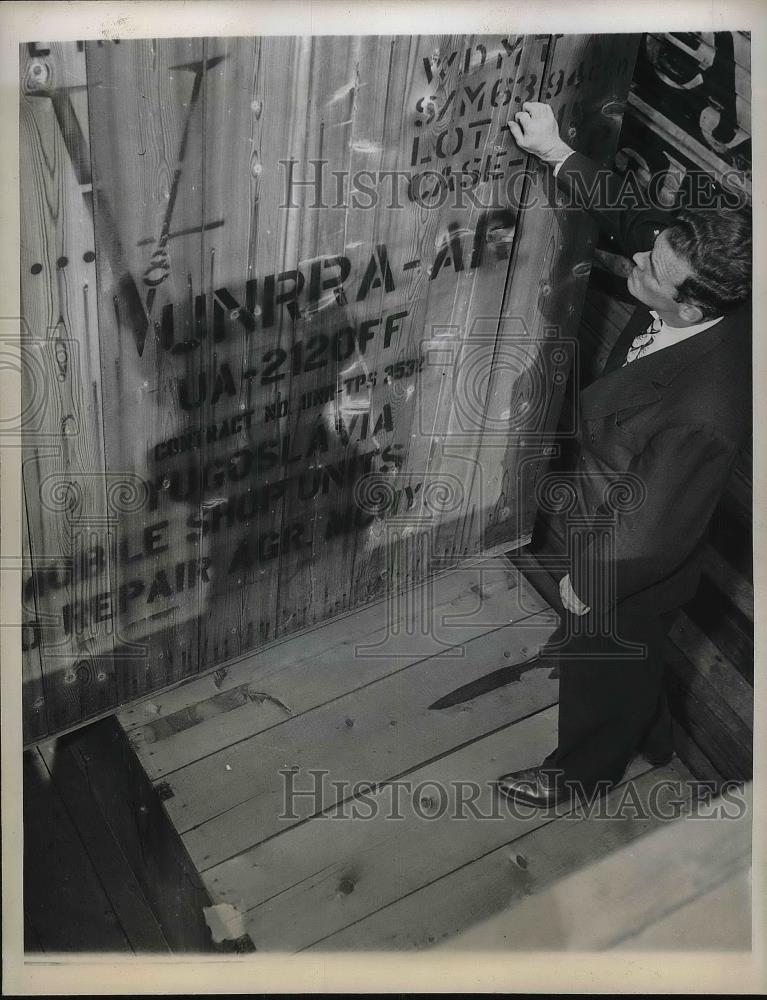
253,412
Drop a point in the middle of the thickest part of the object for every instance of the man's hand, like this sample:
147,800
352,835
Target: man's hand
535,131
570,599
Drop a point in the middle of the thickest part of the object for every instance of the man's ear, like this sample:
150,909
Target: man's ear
690,313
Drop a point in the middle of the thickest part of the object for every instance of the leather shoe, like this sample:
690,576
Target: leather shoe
533,786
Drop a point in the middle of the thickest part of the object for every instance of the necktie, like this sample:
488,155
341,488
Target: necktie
641,344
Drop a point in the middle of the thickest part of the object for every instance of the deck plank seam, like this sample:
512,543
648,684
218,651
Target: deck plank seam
375,787
346,694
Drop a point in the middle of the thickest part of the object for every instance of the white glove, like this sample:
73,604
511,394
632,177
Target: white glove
536,131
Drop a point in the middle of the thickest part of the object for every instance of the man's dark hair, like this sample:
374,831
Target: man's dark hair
717,246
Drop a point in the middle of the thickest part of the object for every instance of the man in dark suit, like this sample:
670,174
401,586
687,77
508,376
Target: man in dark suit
659,432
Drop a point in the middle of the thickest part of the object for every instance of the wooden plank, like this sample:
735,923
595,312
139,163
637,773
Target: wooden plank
741,46
148,186
593,338
316,571
292,885
709,102
543,569
251,119
396,547
725,683
481,577
590,331
592,357
690,927
384,131
325,875
711,723
616,310
154,852
33,715
726,577
589,71
461,332
695,759
721,171
63,897
353,524
606,312
724,624
266,701
372,139
231,800
63,453
264,691
532,857
734,72
118,880
603,905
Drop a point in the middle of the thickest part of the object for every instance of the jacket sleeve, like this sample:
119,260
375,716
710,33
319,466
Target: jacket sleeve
620,209
654,517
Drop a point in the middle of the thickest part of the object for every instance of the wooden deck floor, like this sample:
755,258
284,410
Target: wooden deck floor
702,902
351,699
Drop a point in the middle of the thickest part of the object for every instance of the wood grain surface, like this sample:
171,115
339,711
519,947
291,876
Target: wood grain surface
298,396
63,454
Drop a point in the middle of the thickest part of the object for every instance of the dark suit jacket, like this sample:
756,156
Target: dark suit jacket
657,442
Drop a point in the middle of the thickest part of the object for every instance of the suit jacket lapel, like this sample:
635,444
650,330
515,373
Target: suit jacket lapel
642,381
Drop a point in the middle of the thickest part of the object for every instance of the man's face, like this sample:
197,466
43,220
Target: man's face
656,276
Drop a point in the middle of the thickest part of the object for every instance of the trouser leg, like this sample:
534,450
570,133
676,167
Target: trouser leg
608,698
658,742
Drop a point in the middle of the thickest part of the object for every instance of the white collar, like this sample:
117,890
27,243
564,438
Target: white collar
673,334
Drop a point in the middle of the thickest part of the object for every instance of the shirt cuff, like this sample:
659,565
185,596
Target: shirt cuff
559,164
569,596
